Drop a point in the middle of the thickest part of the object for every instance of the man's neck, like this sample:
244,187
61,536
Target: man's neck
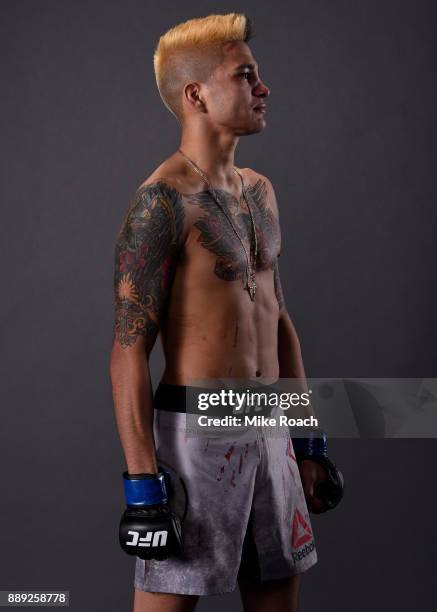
213,153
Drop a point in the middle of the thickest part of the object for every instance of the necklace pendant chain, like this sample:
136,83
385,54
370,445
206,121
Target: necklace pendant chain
251,285
250,271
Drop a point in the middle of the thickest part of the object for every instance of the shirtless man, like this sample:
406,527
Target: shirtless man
197,262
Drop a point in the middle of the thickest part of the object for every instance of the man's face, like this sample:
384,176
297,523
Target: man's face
234,90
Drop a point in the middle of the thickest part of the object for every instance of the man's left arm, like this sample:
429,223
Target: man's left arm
289,351
313,469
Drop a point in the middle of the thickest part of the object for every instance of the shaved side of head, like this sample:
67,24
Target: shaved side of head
191,51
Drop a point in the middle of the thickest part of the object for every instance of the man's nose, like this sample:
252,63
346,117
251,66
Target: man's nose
261,90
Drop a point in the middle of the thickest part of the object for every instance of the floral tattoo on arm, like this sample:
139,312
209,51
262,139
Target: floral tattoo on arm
146,255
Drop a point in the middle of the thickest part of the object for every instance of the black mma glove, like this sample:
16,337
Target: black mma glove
330,491
148,528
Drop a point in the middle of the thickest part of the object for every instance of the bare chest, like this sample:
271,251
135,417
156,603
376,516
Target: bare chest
233,232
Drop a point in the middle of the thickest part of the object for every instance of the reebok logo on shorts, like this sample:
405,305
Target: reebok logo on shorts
301,532
304,552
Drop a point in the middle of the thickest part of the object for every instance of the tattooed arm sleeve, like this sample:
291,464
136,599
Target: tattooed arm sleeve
146,256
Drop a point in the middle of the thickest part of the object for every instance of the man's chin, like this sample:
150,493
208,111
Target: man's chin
254,128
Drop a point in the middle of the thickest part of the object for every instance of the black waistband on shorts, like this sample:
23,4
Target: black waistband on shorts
182,398
170,397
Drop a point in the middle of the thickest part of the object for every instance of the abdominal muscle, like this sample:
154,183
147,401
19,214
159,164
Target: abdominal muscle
218,332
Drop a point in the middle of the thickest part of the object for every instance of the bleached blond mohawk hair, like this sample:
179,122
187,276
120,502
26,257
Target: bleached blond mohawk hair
191,50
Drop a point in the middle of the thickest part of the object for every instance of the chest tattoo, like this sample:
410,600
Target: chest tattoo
218,237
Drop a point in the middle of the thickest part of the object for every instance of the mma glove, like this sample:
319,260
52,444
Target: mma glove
329,491
149,529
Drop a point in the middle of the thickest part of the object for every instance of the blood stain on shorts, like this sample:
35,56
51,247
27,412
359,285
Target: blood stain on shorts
240,465
229,452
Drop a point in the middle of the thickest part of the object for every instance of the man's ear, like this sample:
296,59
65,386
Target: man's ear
193,95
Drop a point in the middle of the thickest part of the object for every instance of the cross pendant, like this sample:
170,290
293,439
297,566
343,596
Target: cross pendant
251,286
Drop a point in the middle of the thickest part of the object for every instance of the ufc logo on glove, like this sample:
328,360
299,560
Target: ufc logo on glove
149,529
157,538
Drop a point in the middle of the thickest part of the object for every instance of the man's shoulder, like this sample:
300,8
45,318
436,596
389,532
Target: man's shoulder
253,175
256,179
157,199
159,182
164,186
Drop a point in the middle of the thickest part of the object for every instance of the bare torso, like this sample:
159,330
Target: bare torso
212,329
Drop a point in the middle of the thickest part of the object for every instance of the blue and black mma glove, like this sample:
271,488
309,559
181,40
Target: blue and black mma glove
314,448
149,529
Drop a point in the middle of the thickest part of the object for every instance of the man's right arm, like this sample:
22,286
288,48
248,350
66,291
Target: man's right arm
146,255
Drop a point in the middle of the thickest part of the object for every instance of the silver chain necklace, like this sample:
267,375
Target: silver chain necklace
250,270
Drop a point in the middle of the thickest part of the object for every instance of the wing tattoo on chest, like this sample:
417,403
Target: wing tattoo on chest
218,236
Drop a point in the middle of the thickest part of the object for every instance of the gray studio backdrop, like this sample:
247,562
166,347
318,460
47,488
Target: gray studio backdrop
349,147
